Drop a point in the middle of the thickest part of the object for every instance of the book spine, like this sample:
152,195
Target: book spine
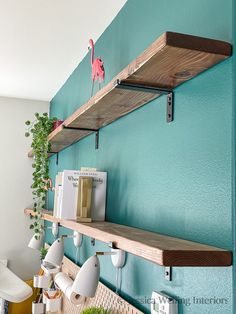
55,197
59,202
68,194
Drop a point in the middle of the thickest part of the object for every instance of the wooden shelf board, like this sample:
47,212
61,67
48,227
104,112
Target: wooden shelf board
157,248
168,62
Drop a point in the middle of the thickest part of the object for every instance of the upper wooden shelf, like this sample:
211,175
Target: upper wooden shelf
168,62
157,248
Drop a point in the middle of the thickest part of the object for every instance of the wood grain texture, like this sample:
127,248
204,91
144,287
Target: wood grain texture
104,297
157,248
168,62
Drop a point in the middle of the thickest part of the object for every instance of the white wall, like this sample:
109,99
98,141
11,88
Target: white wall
15,181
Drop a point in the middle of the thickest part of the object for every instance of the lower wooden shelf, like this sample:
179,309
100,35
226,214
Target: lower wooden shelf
157,248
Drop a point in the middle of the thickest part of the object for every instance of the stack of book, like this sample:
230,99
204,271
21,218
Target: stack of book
80,195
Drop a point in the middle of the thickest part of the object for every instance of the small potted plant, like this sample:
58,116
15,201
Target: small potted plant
56,124
96,310
43,252
40,128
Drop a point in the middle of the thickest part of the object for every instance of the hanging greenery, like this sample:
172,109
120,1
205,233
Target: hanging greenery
39,129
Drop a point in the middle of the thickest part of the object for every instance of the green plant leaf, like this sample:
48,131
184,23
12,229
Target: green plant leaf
40,129
96,310
43,252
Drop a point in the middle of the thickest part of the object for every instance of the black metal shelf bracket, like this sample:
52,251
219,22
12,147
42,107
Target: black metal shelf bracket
86,129
170,107
57,156
154,90
81,129
168,273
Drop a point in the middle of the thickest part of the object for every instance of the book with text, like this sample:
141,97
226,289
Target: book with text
69,194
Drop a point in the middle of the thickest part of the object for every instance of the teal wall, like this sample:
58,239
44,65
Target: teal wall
176,179
234,154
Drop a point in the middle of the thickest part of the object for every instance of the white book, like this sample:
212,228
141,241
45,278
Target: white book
69,195
88,169
59,202
55,197
56,194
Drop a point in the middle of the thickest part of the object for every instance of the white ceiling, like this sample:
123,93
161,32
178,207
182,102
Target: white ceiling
42,41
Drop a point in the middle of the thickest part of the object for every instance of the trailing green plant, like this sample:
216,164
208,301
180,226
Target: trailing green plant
39,129
96,310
